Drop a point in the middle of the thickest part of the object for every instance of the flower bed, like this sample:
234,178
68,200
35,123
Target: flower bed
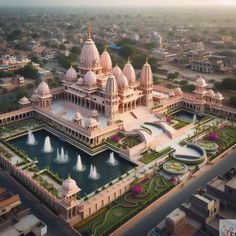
208,145
125,207
152,155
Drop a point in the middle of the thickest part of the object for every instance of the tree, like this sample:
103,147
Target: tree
75,50
16,34
65,61
6,74
127,51
29,86
29,71
227,83
232,101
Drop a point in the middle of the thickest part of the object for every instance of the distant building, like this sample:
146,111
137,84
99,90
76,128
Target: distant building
15,220
208,66
21,80
12,63
201,216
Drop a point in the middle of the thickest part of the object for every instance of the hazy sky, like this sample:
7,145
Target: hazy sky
115,2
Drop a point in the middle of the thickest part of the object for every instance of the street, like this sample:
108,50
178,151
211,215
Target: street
56,226
142,225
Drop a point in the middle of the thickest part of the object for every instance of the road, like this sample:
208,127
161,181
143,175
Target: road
56,227
156,214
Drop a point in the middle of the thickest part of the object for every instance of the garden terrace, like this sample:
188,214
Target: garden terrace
18,128
180,124
152,155
121,142
125,207
225,138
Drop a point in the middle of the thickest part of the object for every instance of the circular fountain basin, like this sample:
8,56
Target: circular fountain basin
175,167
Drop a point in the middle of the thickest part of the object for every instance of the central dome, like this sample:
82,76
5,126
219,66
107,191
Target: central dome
89,57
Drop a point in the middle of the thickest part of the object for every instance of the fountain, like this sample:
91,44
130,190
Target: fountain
93,175
79,166
62,157
31,139
47,148
112,160
194,118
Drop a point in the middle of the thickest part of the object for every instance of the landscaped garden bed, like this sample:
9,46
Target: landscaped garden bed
121,142
175,167
125,207
208,145
10,130
152,155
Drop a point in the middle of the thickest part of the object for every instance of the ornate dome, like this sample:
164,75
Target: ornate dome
89,57
146,74
178,91
94,113
90,78
24,100
71,74
111,86
129,72
43,89
69,184
219,96
78,115
201,82
116,71
91,122
210,93
122,81
105,61
80,81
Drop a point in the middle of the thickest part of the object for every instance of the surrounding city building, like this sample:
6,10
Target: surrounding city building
202,214
16,220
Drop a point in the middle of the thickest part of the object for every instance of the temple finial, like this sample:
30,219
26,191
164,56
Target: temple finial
105,46
89,31
147,59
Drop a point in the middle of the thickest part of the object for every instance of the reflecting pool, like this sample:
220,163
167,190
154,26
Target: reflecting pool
107,173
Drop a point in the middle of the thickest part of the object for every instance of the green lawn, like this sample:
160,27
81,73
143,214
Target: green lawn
130,141
125,207
151,155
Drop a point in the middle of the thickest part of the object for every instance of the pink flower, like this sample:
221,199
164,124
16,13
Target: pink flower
115,138
213,137
136,189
